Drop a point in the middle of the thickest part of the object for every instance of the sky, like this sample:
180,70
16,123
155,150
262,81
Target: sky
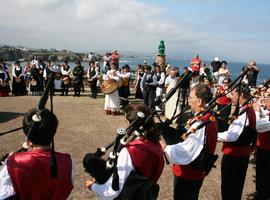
234,30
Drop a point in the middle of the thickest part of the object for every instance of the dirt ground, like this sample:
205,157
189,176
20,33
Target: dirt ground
83,126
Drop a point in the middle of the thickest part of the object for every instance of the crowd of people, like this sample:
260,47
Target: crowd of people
243,123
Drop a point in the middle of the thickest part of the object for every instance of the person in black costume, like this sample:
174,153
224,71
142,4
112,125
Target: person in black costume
78,78
92,74
18,83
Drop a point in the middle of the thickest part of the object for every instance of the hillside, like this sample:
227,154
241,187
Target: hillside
9,53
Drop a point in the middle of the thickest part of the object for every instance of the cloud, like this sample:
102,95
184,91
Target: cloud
127,25
41,4
128,20
127,14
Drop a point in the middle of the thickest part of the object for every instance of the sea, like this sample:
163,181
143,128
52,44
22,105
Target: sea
234,67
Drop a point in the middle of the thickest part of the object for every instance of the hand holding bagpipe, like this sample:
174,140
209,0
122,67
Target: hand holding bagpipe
201,124
248,102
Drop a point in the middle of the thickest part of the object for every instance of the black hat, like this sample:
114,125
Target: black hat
224,62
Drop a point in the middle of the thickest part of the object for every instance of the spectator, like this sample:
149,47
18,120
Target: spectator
139,75
216,64
115,58
252,74
195,66
148,87
223,72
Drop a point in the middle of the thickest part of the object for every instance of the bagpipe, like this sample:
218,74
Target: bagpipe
37,118
92,161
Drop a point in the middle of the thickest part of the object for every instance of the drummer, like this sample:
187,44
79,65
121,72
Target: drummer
92,74
4,87
124,91
18,83
112,104
65,71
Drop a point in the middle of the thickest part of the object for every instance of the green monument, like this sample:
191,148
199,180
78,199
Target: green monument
161,48
160,59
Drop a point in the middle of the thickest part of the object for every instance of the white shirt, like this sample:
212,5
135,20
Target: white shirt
65,72
262,121
96,72
110,75
125,75
162,79
147,76
124,166
170,82
235,129
34,62
6,186
185,152
15,68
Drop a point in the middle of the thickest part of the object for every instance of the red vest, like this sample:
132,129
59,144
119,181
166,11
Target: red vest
196,62
189,172
31,175
263,141
229,148
115,58
147,158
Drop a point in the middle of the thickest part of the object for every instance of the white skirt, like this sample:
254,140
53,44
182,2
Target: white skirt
112,102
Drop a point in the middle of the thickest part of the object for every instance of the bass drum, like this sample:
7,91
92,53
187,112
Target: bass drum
109,86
